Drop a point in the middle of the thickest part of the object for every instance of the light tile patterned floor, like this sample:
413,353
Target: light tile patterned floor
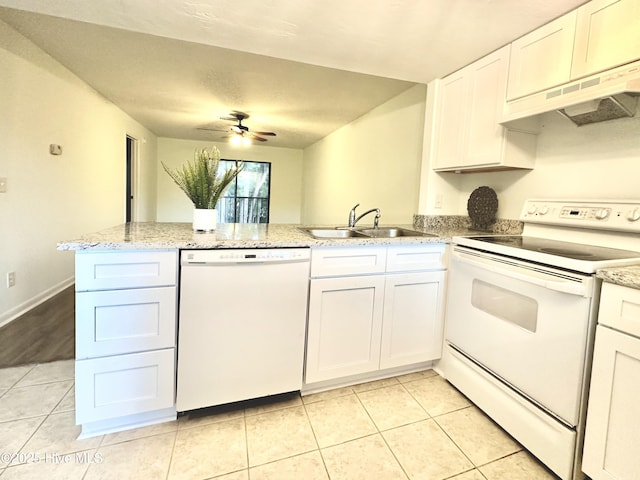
414,426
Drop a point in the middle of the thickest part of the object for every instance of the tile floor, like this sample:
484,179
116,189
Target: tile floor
410,427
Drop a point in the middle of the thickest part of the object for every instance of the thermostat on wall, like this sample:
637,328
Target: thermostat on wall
55,149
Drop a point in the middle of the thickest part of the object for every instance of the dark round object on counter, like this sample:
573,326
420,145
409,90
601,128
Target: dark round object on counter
482,207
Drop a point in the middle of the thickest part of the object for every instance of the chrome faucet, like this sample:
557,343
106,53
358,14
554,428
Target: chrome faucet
353,220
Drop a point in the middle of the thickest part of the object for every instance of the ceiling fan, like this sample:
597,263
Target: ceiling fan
241,131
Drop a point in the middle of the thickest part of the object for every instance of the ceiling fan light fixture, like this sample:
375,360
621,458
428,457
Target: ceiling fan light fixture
239,139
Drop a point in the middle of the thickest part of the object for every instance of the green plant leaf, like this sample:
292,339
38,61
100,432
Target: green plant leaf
199,179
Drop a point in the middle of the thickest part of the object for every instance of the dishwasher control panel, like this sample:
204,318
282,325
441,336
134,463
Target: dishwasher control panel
249,255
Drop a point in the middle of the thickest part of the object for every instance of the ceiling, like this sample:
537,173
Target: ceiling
301,68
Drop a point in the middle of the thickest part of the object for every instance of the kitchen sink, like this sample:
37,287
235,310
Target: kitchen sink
392,232
381,232
332,232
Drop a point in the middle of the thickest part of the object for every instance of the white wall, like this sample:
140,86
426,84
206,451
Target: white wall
286,178
55,198
374,161
597,161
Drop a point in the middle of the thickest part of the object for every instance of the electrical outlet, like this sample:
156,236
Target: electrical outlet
438,202
11,279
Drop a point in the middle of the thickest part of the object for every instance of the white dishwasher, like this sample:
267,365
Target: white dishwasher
242,324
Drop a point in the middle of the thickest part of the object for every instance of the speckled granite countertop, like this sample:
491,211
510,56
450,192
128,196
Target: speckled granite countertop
139,236
625,276
151,235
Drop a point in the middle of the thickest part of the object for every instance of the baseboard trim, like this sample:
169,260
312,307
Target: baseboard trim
24,307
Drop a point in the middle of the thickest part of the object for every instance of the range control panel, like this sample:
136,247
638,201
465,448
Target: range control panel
602,214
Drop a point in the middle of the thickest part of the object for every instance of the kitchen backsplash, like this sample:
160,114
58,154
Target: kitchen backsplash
459,222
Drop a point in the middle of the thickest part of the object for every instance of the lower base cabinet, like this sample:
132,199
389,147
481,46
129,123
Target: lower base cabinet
125,339
361,324
612,437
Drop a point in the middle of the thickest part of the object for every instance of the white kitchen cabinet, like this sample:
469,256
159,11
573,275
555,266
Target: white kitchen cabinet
466,134
542,58
364,322
125,339
607,35
345,320
412,327
597,36
612,437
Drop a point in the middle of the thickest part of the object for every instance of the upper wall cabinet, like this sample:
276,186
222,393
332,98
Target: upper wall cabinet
465,132
607,35
597,36
542,58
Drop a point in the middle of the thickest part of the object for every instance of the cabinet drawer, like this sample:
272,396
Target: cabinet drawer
124,385
327,262
125,321
116,269
416,257
620,308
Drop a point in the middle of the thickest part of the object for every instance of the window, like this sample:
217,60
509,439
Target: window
247,199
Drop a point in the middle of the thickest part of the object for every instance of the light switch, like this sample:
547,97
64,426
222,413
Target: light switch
3,184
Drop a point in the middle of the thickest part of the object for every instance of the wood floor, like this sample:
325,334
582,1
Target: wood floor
44,334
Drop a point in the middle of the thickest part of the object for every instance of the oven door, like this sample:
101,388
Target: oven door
525,323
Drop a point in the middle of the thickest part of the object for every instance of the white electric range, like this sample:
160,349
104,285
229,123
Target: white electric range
521,318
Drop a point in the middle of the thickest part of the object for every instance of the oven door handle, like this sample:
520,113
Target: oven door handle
581,286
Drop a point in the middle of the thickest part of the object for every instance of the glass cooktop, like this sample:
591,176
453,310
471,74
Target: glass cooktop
574,251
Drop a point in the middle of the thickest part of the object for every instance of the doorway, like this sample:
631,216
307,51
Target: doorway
131,154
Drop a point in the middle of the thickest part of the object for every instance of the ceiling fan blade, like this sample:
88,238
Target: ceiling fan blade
268,134
260,139
212,129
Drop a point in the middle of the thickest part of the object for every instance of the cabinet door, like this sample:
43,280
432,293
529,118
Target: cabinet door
488,78
413,319
542,58
122,385
345,322
612,437
450,120
607,35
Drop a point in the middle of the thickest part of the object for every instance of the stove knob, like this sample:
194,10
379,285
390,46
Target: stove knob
634,215
544,210
532,209
602,213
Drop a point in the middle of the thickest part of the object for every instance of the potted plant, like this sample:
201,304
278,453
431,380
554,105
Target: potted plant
204,186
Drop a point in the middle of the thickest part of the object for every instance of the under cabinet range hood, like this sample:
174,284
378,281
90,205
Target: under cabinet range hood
597,98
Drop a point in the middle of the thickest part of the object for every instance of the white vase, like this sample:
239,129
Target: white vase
204,219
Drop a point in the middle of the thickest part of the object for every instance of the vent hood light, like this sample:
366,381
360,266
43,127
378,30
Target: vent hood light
604,96
600,110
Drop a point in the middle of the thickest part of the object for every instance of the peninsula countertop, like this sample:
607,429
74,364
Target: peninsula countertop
160,235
